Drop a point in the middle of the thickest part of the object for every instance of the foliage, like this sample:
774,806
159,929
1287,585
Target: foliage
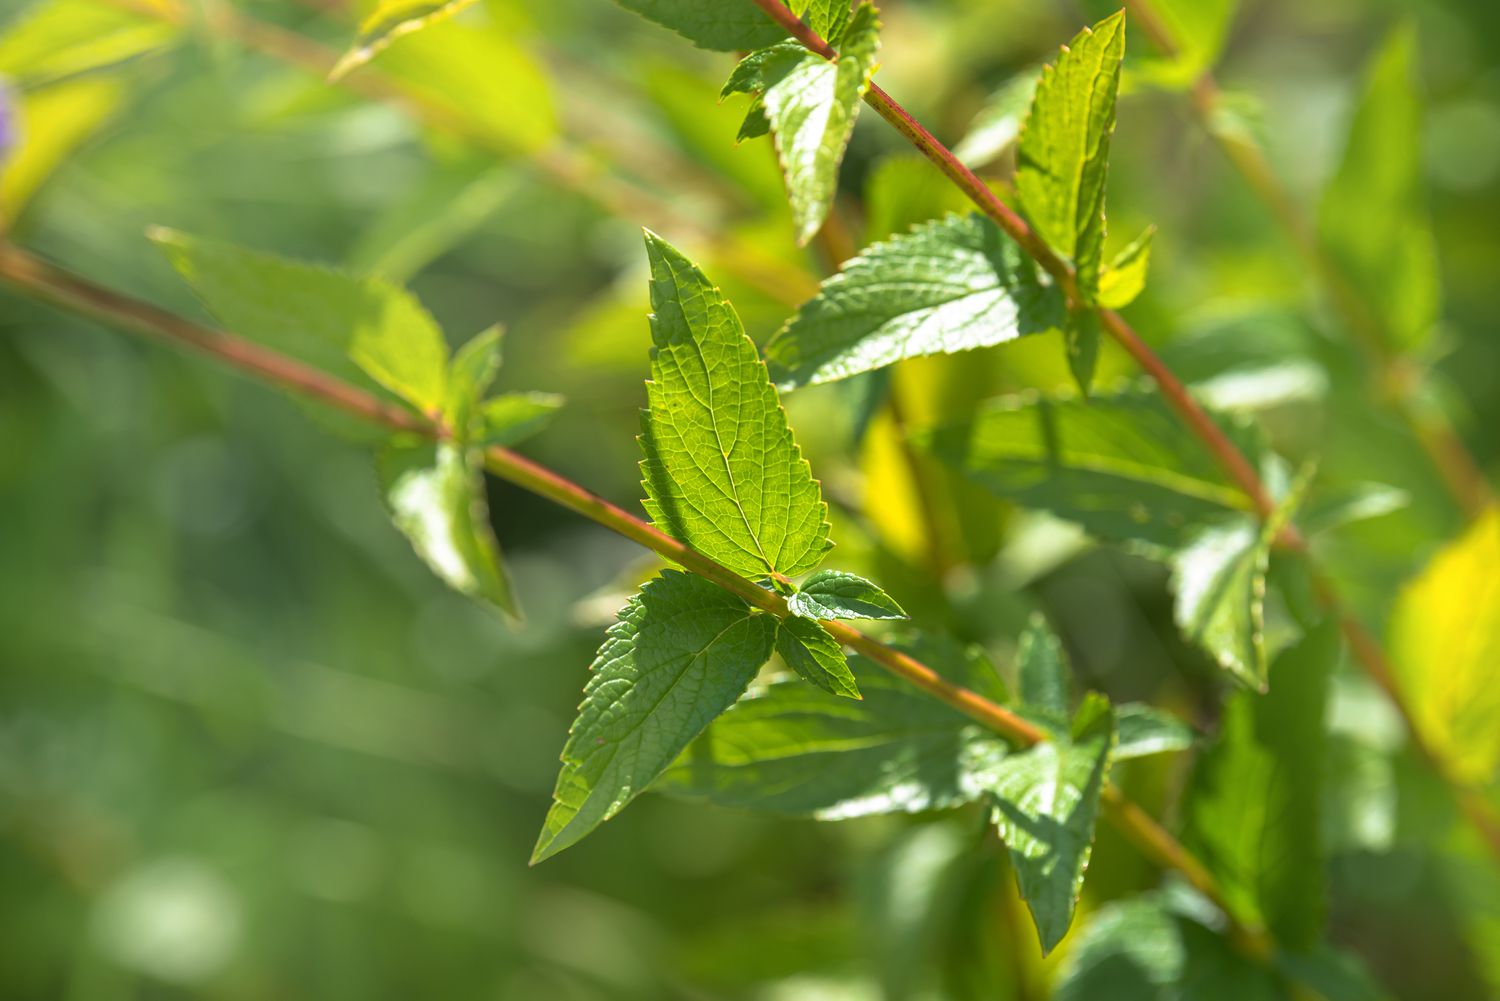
1255,596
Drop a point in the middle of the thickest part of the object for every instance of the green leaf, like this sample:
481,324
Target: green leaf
436,497
1254,803
833,594
1374,219
1129,950
829,18
816,656
905,190
1220,583
721,472
349,327
1042,670
1046,803
1081,334
998,124
389,21
722,25
57,39
1145,730
947,286
1125,278
792,749
681,653
1064,154
1445,643
1123,466
810,104
514,417
472,371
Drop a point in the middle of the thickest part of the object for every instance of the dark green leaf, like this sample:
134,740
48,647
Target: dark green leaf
833,594
816,656
1046,803
1042,670
721,472
792,749
1146,730
1253,807
683,652
1123,466
947,286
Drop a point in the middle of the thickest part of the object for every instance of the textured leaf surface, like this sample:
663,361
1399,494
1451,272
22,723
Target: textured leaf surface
682,652
947,286
1064,154
792,749
389,21
1253,806
829,18
816,656
1046,803
810,105
1042,671
1374,218
1122,465
346,326
1220,584
833,594
1445,642
722,25
436,498
721,472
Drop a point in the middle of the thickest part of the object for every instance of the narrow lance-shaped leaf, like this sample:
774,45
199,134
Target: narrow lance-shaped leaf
810,105
682,652
1064,153
834,594
791,749
1253,806
1042,670
998,124
947,286
389,21
1220,584
1445,642
1046,804
1374,220
721,470
1122,465
358,329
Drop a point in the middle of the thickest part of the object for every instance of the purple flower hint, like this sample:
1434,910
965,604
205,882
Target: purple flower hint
7,120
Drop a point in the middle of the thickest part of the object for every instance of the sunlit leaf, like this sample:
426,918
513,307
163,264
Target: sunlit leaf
389,21
63,38
946,286
833,594
721,471
816,656
725,25
1125,277
682,652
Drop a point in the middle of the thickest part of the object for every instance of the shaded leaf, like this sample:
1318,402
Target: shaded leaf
1042,670
792,749
389,21
436,497
346,326
1253,806
514,417
810,105
1081,334
1122,465
721,471
816,656
948,286
1046,803
682,652
1064,153
998,124
1145,730
1220,584
834,594
1445,644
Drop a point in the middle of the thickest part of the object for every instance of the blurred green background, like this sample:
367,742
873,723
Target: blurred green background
251,748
